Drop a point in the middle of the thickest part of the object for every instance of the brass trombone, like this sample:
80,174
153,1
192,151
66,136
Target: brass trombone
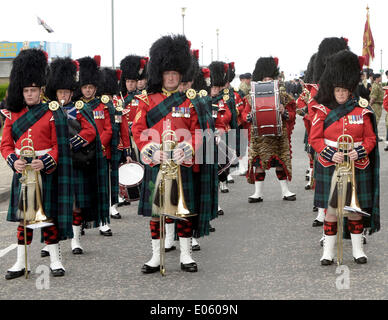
344,197
170,185
31,199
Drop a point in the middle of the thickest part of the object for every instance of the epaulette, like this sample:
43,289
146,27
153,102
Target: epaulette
365,111
125,111
6,113
320,107
143,97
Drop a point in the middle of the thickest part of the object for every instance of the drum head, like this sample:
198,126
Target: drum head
130,174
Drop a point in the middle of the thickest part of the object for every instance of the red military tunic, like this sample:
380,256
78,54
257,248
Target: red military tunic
224,116
131,109
42,133
148,140
385,101
124,142
356,123
102,119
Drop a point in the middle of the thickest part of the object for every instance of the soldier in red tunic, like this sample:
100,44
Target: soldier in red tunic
222,118
337,113
165,108
266,152
89,81
45,128
120,136
327,47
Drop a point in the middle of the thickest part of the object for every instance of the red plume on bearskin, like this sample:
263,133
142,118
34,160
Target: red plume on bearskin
76,63
206,72
97,58
346,40
276,61
361,61
189,42
226,67
118,74
232,65
195,53
142,64
45,54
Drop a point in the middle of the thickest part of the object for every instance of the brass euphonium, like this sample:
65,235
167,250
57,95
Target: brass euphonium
169,197
344,196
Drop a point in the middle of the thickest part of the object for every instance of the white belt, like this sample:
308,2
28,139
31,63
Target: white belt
38,153
334,144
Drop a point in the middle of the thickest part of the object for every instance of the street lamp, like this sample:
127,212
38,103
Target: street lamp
218,49
183,19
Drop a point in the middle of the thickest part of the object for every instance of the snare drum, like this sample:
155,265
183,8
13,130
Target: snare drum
130,178
266,117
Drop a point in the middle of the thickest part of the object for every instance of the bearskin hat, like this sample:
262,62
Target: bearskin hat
130,67
192,72
231,72
343,69
327,47
308,75
169,53
62,75
89,72
218,73
265,67
109,82
202,80
28,70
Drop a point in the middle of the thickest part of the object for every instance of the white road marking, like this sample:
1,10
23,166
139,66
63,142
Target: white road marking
8,249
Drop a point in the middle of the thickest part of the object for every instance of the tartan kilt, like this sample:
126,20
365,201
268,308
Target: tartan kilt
49,206
84,184
323,176
148,188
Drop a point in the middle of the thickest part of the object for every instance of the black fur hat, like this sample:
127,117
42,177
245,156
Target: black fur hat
169,53
89,72
62,75
266,67
192,72
327,47
202,80
28,70
308,75
109,82
231,72
218,73
343,69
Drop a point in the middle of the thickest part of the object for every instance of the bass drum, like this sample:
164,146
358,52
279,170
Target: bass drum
130,178
266,117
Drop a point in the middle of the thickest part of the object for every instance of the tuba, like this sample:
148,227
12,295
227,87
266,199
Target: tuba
169,197
344,196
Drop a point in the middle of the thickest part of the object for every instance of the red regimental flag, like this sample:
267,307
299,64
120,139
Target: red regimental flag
368,49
